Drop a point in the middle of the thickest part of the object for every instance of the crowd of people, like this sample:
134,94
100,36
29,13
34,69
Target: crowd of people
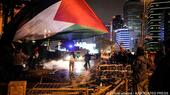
149,73
149,69
117,57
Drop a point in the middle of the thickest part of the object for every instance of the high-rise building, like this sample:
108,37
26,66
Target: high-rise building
116,23
167,24
158,24
124,38
132,17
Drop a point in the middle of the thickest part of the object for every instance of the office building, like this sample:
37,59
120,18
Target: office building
124,38
158,24
116,23
132,17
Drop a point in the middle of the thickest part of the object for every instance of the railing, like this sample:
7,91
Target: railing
119,73
115,71
59,89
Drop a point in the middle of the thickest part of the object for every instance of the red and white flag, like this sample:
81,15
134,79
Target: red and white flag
65,19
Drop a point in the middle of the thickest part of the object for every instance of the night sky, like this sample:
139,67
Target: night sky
105,9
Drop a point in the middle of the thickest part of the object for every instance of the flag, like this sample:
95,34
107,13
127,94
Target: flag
65,19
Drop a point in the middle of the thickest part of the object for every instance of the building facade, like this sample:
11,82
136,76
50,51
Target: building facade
124,38
116,23
158,24
132,12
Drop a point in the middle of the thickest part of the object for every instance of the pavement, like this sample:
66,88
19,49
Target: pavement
55,71
58,71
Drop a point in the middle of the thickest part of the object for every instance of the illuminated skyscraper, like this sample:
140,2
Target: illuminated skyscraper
116,23
132,17
124,38
158,24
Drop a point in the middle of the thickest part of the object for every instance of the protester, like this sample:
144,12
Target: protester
112,58
122,57
130,57
140,71
71,62
160,82
19,62
87,58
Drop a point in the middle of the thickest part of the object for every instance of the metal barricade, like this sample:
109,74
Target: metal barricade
57,89
118,75
115,71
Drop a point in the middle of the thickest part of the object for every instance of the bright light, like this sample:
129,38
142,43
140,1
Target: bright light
53,64
89,46
79,67
33,41
133,53
67,57
122,29
62,49
70,46
81,58
60,64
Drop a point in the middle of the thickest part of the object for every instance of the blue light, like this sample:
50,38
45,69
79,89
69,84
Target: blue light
70,46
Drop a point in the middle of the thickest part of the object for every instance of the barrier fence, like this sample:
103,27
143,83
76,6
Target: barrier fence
116,72
117,76
120,71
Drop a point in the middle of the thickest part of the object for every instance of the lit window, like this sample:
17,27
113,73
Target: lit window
137,17
159,16
157,27
156,5
151,28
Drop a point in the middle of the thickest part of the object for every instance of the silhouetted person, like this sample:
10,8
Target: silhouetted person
122,57
160,80
112,58
71,65
140,71
71,62
87,58
20,58
130,57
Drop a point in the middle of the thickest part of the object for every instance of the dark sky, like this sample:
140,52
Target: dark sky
105,9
